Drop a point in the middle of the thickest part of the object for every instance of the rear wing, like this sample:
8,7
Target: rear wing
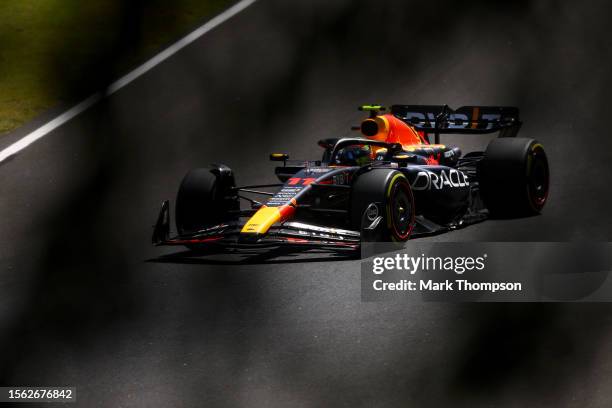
438,119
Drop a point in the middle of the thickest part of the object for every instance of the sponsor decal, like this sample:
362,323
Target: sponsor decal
431,160
372,212
456,120
309,227
339,179
428,180
284,195
323,235
317,170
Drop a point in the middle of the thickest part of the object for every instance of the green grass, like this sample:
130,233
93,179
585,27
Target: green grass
52,51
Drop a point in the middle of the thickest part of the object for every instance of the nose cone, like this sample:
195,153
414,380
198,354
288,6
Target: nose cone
264,218
261,221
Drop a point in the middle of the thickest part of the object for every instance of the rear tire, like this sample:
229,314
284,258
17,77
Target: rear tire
202,200
391,190
514,177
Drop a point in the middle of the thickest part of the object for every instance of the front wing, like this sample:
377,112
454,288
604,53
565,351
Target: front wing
228,235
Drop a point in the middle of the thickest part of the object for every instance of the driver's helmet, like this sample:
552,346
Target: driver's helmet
357,155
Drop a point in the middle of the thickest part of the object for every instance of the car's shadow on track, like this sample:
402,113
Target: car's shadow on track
272,256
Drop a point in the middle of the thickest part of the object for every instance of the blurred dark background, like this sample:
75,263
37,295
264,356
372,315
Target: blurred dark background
86,302
57,51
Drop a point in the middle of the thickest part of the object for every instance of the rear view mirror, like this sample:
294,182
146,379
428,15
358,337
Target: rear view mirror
279,157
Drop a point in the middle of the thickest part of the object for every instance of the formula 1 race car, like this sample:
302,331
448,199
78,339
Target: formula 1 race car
389,184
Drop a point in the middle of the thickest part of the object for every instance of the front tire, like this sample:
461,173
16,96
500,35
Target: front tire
391,191
204,199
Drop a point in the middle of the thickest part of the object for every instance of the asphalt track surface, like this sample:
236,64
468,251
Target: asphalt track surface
87,301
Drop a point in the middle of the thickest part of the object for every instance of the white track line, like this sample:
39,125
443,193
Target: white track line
123,81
